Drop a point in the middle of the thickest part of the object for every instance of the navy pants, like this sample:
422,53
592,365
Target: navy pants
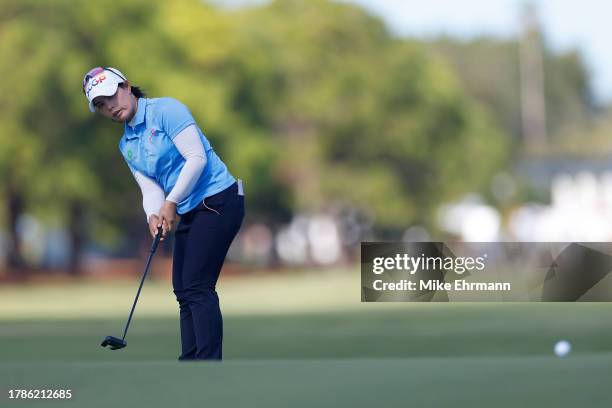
202,239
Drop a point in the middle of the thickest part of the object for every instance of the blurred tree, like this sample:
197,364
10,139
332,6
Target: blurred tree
362,119
20,157
570,103
489,72
60,165
215,75
313,103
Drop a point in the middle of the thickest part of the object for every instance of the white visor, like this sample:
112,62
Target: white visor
103,84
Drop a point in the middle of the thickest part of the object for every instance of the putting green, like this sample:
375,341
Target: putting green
430,382
319,350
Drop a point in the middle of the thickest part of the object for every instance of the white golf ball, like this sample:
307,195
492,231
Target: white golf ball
562,348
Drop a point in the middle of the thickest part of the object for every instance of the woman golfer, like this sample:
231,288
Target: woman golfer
178,172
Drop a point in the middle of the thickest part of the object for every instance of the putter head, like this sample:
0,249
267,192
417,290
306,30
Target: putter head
114,343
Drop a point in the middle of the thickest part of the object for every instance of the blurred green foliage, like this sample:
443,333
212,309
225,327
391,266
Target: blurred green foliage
489,71
313,103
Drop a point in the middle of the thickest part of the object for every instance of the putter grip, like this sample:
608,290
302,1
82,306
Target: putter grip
156,240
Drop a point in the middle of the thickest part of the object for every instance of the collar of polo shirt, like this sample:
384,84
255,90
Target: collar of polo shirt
139,116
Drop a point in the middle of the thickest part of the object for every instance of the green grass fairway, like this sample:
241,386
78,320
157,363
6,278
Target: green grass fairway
422,382
445,355
303,347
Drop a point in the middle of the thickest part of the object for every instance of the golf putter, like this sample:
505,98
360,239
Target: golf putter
116,343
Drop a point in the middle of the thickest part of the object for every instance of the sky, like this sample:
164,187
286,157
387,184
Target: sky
585,25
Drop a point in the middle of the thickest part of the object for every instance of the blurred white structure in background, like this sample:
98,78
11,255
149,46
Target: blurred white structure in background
580,210
291,242
32,234
309,239
470,219
324,240
57,248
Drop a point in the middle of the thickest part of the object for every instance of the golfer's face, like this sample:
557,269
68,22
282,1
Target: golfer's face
119,107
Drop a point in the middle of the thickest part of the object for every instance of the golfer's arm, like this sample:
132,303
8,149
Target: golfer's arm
152,194
191,148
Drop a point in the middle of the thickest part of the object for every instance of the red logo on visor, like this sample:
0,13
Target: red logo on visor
95,81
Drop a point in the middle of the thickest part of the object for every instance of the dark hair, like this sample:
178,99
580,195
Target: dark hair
136,91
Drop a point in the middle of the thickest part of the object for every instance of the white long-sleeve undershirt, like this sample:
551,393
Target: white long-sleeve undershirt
152,194
191,148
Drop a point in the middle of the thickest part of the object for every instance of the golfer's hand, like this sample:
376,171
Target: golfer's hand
153,225
167,217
